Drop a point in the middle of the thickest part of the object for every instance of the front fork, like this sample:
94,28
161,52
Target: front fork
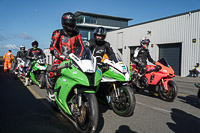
116,93
164,86
75,106
78,98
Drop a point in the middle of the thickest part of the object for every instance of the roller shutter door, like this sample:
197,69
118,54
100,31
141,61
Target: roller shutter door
172,53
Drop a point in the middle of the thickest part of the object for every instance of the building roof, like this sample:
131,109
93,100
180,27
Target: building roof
94,26
78,13
189,12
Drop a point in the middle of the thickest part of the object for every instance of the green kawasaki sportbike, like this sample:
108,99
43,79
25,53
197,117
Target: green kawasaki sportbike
37,75
75,89
114,89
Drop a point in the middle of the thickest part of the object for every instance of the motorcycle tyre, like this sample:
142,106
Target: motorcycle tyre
175,90
132,102
198,95
42,81
93,116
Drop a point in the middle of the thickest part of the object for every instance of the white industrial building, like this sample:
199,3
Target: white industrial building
176,38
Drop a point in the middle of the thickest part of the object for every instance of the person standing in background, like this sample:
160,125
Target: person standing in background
7,57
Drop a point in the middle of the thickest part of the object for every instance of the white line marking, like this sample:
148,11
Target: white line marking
155,108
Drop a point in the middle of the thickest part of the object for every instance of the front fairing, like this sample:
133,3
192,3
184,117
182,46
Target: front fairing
37,67
117,71
166,70
72,77
80,77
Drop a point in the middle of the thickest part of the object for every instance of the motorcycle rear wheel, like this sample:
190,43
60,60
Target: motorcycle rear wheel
88,120
171,94
198,95
125,104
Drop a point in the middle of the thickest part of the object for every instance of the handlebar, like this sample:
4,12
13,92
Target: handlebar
66,65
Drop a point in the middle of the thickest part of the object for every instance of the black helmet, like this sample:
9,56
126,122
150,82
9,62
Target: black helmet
100,31
34,43
68,21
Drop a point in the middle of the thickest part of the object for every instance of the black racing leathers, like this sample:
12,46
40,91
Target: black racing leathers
32,54
140,59
98,50
20,54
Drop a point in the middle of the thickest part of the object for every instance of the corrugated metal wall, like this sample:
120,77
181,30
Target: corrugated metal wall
176,29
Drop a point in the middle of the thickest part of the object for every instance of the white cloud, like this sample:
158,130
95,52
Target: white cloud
26,36
9,46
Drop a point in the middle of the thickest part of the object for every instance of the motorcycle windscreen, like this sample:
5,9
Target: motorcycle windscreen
164,62
83,53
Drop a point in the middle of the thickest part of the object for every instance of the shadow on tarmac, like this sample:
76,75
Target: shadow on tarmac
21,112
124,129
102,109
191,100
184,122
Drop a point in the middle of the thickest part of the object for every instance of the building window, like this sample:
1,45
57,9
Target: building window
79,19
87,19
93,20
85,36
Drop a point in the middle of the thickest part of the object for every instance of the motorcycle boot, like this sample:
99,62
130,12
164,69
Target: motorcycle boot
51,80
51,95
26,81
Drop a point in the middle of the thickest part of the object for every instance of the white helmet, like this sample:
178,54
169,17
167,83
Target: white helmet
145,41
22,47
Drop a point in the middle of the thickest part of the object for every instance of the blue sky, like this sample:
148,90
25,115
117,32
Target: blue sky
22,21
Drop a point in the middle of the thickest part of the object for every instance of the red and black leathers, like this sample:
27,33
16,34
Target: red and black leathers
98,50
62,45
140,59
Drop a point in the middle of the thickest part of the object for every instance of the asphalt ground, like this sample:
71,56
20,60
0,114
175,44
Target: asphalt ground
26,109
23,111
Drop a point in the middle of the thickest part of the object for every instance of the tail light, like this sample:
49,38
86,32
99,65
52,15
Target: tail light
133,66
21,66
51,74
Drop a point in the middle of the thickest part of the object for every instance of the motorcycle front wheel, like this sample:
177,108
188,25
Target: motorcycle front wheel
87,121
170,95
124,103
42,81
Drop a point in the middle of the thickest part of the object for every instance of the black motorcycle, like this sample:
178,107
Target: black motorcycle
198,94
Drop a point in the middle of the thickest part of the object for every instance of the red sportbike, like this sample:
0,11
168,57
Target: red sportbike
157,80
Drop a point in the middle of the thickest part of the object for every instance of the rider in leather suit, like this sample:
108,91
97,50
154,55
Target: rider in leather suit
99,46
32,54
141,54
20,54
63,42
